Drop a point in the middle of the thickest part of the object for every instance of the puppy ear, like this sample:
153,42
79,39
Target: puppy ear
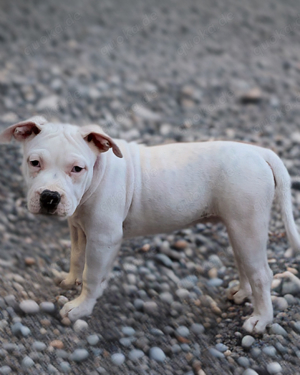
23,130
94,134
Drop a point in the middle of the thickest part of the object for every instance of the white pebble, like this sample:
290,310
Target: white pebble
118,359
274,368
80,325
29,307
157,354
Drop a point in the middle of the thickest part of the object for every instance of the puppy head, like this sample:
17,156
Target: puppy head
58,162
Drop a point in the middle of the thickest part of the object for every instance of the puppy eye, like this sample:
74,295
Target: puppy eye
77,169
35,163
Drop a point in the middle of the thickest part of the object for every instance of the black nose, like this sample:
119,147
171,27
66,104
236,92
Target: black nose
49,201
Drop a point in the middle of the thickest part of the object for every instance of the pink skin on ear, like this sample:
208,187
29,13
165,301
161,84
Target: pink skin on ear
104,143
22,130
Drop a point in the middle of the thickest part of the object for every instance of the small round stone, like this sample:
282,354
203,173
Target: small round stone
197,328
247,341
182,293
29,261
61,300
128,331
215,282
150,307
157,354
93,339
79,355
166,297
274,368
249,371
276,329
27,362
80,325
135,354
270,351
125,341
182,331
221,347
52,370
244,362
101,370
215,353
118,359
138,304
39,346
58,344
47,307
4,370
297,326
29,307
65,366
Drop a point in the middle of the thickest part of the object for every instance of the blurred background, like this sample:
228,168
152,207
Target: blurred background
152,72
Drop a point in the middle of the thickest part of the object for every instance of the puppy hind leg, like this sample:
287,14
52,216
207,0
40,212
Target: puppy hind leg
250,241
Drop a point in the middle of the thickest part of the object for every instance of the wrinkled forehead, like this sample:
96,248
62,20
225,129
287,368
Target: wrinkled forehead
62,138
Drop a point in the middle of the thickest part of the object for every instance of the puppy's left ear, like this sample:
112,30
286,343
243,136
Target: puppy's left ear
94,134
23,130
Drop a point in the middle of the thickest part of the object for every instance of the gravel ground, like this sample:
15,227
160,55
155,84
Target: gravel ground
160,72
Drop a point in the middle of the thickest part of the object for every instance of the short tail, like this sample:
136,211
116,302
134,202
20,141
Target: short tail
283,193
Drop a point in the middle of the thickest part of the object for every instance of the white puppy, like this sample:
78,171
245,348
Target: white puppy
110,189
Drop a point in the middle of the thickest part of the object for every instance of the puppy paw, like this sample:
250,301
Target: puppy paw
77,308
238,295
69,282
256,324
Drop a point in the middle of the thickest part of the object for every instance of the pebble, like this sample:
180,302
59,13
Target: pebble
182,331
157,354
128,331
125,341
65,366
280,303
51,369
5,370
276,329
215,353
135,354
244,362
27,362
29,261
156,332
79,355
101,370
255,352
62,300
274,368
80,325
247,341
182,293
249,371
221,347
138,304
29,307
93,339
150,307
166,297
39,346
197,328
19,329
164,259
57,344
47,307
270,351
118,359
215,282
297,326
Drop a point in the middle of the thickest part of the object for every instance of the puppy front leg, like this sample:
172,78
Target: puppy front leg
78,244
99,258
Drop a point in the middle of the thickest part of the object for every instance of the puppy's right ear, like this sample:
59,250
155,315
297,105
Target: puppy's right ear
23,130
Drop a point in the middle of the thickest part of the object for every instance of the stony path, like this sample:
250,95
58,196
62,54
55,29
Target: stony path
151,72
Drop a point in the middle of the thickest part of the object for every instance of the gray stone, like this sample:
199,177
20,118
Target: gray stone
247,341
249,371
62,353
135,354
183,331
128,331
290,299
29,307
215,282
221,347
182,293
244,362
39,346
215,353
80,325
165,260
280,303
101,370
118,359
18,329
65,366
176,348
156,332
93,339
47,307
197,328
138,304
4,370
79,355
166,297
27,362
150,307
255,352
276,329
125,341
157,354
270,351
274,368
297,326
185,347
51,369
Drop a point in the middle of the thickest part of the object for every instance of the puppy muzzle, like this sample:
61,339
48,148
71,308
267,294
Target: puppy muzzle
49,200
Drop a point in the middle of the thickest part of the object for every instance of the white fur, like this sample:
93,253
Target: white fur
154,190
